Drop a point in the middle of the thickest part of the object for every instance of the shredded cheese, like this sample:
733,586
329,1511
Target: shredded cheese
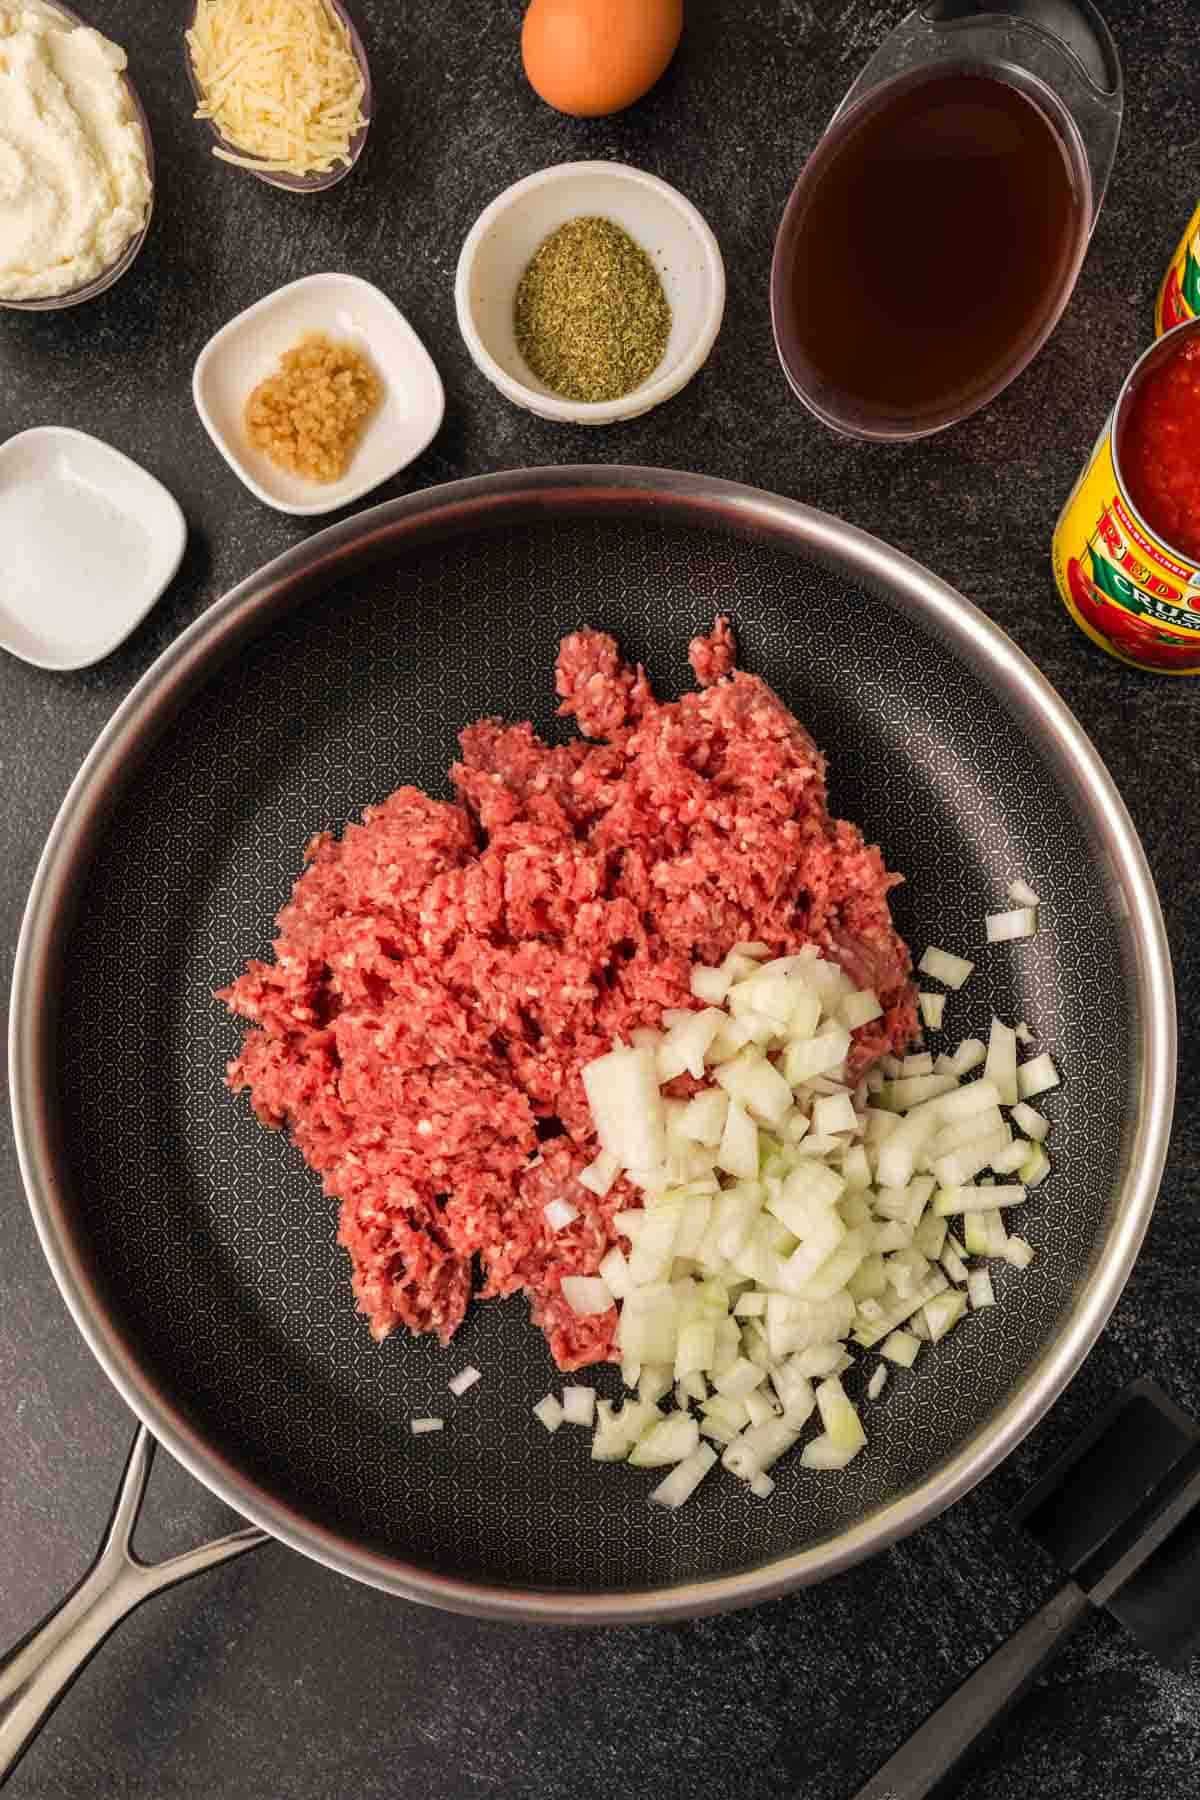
279,81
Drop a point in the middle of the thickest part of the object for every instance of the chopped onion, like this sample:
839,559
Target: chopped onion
877,1382
904,1308
626,1107
759,1446
1011,1158
945,967
419,1426
466,1378
859,1009
599,1175
614,1272
841,1422
963,1165
1036,1166
684,1479
933,1010
549,1412
586,1294
970,1053
901,1347
1022,1033
559,1214
943,1312
669,1440
710,985
738,1153
816,1056
1001,1066
1032,1122
979,1289
965,1102
758,1406
686,1044
703,1118
1006,927
1018,1252
967,1131
823,1453
833,1114
578,1405
618,1432
917,1065
951,1200
1022,894
955,1267
1037,1076
762,1486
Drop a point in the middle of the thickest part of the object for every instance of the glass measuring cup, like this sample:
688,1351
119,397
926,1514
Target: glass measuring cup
1056,54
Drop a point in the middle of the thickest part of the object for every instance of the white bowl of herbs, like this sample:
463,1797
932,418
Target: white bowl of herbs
590,292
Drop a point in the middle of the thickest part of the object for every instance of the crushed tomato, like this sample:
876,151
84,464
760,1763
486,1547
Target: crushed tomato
1160,450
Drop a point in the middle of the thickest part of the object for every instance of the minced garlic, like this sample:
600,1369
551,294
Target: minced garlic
309,415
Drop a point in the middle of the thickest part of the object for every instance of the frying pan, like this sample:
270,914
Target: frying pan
195,1250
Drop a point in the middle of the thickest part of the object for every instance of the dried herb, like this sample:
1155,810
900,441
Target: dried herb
590,316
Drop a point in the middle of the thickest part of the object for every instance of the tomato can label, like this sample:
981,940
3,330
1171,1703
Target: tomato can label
1179,296
1132,594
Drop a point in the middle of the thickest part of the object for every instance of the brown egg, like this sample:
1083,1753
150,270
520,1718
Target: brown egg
591,57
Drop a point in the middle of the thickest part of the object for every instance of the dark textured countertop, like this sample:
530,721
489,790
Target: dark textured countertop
274,1677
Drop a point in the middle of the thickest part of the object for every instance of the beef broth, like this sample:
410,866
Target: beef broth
934,247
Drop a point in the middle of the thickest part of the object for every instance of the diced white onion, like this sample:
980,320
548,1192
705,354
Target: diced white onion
559,1214
419,1427
684,1479
586,1294
901,1347
626,1107
877,1382
945,967
1037,1076
1001,1065
578,1405
549,1412
933,1010
949,1201
1006,927
834,1114
762,1486
710,985
1032,1122
859,1009
599,1175
1018,1252
466,1378
979,1289
1021,894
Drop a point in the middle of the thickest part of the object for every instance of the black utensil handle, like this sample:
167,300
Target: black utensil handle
936,1753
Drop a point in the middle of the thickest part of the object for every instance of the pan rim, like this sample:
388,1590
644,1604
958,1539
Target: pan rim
470,505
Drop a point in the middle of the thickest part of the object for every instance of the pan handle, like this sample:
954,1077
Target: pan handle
933,1758
36,1674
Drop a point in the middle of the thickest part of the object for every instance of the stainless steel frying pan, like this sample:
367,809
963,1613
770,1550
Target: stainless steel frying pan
196,1252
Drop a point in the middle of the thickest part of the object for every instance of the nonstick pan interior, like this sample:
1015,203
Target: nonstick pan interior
210,1247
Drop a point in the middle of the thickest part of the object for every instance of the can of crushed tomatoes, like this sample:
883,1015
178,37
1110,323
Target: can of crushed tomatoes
1179,296
1126,549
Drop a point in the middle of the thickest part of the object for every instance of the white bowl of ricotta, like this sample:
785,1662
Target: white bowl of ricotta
76,160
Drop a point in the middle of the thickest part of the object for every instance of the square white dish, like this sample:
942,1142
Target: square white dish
90,540
248,349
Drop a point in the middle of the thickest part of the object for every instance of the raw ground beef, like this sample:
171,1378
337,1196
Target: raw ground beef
442,973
